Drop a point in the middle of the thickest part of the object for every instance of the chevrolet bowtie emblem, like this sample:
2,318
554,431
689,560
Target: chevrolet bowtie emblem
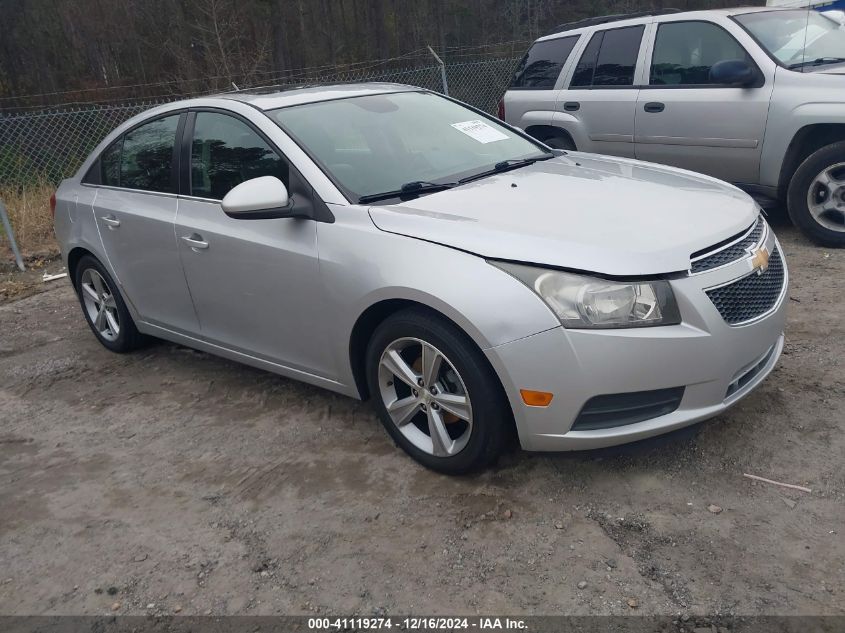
760,259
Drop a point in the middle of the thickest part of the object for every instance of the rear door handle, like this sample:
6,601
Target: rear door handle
654,106
571,106
110,221
195,242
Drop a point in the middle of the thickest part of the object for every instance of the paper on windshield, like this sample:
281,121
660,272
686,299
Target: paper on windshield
480,131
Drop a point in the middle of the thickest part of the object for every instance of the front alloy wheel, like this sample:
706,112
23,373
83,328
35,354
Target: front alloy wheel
826,198
816,196
425,397
435,392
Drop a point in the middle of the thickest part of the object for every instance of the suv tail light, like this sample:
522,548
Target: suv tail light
53,205
500,109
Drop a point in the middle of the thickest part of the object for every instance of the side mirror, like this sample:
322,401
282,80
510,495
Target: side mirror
733,72
258,199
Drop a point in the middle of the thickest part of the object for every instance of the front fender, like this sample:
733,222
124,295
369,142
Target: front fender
798,101
360,265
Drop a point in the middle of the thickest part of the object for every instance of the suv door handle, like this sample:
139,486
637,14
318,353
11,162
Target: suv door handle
110,221
195,241
571,106
654,106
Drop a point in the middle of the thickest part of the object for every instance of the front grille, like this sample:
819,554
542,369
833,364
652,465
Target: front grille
751,296
733,251
619,409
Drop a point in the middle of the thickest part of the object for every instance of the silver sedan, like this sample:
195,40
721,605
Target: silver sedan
387,242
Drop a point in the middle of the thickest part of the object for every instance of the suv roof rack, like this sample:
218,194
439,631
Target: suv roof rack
578,24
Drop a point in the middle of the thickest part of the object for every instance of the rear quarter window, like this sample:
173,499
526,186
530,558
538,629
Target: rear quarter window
110,164
106,169
541,65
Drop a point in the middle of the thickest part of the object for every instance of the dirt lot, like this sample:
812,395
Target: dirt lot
173,481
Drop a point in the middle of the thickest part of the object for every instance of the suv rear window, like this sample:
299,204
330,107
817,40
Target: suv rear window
609,59
540,67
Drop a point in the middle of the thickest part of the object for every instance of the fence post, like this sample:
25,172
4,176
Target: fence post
8,228
442,71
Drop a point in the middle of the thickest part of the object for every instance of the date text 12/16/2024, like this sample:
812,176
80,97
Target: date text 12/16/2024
416,624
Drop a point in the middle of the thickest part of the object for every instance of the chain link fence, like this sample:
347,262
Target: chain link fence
49,145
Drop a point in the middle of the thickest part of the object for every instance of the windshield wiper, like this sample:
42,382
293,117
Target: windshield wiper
408,189
506,165
817,62
424,186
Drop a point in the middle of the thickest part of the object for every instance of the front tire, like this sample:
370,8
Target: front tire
104,308
435,393
816,196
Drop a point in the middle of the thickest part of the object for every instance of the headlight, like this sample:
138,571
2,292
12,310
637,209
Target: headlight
580,301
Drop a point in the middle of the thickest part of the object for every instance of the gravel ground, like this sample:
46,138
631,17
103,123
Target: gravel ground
172,481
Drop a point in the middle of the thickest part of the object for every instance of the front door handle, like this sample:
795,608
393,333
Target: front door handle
571,106
110,221
654,106
195,241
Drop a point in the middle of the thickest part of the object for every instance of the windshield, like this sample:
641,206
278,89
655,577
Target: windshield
797,38
378,143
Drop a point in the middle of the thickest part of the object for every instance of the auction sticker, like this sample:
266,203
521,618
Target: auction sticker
480,131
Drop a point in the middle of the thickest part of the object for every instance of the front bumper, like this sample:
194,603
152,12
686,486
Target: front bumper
716,364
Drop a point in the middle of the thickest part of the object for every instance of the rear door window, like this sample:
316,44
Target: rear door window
540,67
586,67
147,159
610,58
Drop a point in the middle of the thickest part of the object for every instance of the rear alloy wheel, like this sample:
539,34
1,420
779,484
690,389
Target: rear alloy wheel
104,308
816,197
100,305
435,393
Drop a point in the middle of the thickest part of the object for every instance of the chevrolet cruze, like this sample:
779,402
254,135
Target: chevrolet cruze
387,242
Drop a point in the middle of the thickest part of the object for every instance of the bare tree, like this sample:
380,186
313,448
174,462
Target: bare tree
56,51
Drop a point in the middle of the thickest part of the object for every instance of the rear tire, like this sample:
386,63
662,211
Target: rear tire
560,142
454,420
816,196
104,308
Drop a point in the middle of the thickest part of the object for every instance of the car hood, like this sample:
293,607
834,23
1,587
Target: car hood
586,212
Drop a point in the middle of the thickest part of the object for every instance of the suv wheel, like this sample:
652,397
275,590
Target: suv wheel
435,393
560,142
104,308
816,196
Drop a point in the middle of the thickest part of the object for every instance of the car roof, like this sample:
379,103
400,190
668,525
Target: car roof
273,97
620,21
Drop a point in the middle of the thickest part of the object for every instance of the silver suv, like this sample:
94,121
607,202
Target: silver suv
755,97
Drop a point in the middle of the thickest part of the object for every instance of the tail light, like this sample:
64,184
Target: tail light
53,205
500,109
